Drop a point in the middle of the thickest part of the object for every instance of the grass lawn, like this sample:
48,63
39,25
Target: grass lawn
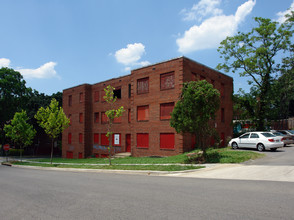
220,155
117,167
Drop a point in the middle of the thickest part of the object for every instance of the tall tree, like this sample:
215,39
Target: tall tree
13,95
20,131
53,120
195,110
112,113
254,55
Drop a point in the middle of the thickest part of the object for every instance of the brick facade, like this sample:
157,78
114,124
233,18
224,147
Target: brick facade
147,95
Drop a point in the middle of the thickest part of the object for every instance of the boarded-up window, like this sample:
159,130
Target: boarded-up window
81,97
69,154
143,113
143,85
129,115
167,81
96,138
96,96
104,118
80,155
167,140
222,139
117,120
102,95
96,117
80,138
69,100
142,140
69,138
104,140
81,118
222,115
166,110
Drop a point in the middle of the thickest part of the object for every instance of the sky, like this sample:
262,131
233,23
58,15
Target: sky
59,44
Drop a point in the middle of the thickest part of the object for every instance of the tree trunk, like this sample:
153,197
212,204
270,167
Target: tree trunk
52,143
109,148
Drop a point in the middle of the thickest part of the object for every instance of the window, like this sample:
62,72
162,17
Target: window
116,139
129,115
143,140
222,90
81,97
69,100
104,118
80,138
223,139
117,93
96,117
69,154
166,110
96,138
104,140
212,82
69,138
80,155
254,135
167,81
167,140
117,120
69,117
130,91
245,136
143,85
143,113
222,115
102,95
96,96
81,118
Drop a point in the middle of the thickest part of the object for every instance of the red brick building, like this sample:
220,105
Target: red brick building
148,95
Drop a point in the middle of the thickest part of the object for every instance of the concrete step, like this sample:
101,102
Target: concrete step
122,155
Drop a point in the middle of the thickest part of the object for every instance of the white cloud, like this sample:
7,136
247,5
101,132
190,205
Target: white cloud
213,30
281,14
4,62
43,72
131,55
202,9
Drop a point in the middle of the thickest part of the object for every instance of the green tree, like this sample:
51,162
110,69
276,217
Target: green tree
112,113
13,96
53,120
20,131
254,55
195,111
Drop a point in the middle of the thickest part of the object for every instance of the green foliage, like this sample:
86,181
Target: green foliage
112,113
195,111
19,130
52,119
13,92
254,55
15,152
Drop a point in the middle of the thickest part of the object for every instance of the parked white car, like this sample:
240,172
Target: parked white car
257,140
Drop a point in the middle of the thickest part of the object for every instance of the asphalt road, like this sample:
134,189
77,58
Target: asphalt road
282,157
38,194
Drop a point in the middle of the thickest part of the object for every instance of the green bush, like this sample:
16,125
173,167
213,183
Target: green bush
15,152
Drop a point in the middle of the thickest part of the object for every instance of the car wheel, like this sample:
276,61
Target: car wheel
260,147
234,145
273,149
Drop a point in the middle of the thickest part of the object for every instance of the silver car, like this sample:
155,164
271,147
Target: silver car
257,140
287,139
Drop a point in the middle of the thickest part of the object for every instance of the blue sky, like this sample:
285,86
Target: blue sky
59,44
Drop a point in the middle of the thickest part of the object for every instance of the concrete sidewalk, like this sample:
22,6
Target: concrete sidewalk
243,172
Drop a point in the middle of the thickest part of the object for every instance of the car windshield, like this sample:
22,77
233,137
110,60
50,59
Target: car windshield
291,131
267,134
278,134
